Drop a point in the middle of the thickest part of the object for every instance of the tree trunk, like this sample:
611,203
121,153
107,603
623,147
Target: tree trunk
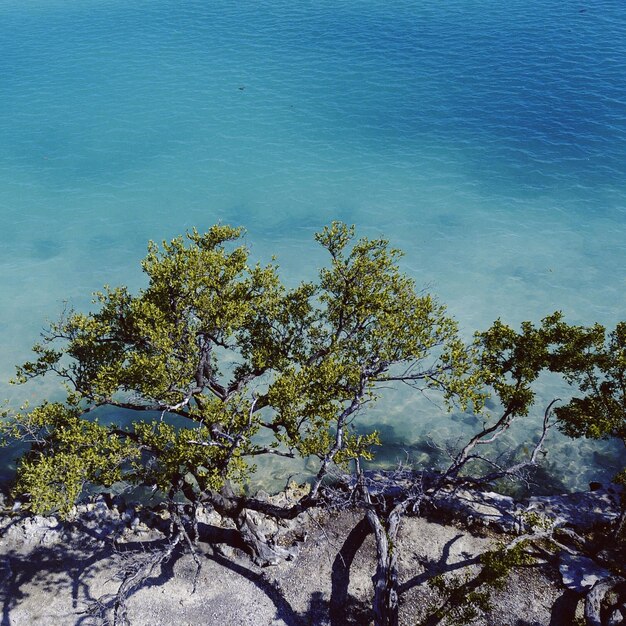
262,551
385,606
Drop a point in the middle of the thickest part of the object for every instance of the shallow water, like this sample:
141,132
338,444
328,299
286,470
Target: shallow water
486,139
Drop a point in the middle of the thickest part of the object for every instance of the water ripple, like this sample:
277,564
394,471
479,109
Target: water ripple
487,139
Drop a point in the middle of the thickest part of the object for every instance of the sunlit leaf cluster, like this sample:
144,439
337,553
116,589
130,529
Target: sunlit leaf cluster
216,350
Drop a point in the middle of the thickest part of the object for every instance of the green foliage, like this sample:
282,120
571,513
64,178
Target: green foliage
589,360
466,596
67,452
498,563
596,363
223,345
512,361
536,521
461,605
593,363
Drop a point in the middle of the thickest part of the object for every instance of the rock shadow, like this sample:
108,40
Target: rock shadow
564,609
54,570
271,589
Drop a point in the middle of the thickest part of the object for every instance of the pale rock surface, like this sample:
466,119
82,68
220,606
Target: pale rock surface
52,573
580,573
56,583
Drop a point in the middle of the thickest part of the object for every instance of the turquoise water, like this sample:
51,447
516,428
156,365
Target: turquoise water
486,139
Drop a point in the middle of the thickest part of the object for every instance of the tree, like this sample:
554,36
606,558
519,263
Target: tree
506,364
215,351
594,363
224,346
591,360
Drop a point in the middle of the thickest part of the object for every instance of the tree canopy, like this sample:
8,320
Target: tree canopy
225,345
216,350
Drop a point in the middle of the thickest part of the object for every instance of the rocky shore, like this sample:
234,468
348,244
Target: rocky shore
54,572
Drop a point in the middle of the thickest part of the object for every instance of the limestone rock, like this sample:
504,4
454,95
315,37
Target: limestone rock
580,573
617,618
584,510
30,532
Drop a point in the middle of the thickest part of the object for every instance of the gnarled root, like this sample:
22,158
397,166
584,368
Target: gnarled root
264,552
262,548
138,567
385,605
136,574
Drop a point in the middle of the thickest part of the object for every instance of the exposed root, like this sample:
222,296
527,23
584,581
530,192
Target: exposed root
192,543
136,574
263,551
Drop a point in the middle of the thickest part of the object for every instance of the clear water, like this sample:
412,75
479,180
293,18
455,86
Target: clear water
486,139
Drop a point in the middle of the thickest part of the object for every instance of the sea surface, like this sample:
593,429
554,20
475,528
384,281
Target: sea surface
486,139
